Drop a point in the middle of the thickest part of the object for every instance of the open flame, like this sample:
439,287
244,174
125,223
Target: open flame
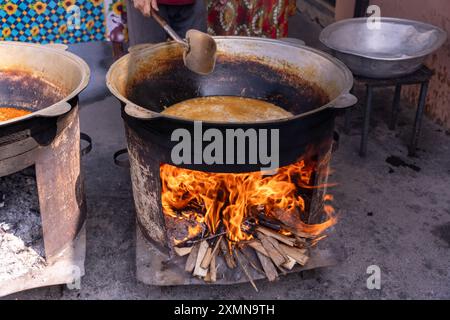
224,201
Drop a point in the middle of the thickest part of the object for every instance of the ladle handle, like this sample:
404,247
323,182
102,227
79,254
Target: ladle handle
163,23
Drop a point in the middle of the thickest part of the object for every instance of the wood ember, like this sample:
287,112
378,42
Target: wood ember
274,248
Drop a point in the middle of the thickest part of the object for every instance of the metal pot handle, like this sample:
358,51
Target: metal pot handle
344,101
55,110
140,113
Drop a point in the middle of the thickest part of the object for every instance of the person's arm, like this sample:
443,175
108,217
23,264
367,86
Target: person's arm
146,6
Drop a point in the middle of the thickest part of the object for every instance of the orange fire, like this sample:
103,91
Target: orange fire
213,199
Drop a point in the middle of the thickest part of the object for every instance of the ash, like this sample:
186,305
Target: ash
21,240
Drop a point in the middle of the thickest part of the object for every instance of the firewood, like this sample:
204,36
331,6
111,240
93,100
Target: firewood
226,254
276,257
290,264
277,247
182,251
213,269
257,246
210,253
250,259
300,242
192,258
268,267
198,270
299,255
207,258
282,238
244,268
298,233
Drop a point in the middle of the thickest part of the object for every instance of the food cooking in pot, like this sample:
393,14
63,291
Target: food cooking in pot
226,109
8,113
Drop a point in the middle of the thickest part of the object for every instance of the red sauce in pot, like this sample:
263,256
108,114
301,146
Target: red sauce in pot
11,113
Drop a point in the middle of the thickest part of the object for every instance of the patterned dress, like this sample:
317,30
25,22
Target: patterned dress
260,18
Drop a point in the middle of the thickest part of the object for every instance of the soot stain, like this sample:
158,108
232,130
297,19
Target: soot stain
397,162
443,232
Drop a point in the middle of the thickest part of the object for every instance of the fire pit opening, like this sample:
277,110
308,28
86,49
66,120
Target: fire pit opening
222,220
21,236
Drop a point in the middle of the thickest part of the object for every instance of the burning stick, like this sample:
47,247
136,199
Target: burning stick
286,240
191,242
226,254
244,268
198,270
192,258
211,253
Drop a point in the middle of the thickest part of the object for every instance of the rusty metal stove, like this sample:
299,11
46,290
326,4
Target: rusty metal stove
151,77
49,141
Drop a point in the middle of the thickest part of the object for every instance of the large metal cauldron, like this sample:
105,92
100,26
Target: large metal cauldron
310,84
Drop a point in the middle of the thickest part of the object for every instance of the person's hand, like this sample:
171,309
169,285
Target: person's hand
146,6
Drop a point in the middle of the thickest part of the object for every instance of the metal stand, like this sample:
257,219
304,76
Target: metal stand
421,76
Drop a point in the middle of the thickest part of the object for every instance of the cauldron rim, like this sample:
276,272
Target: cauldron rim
340,101
59,50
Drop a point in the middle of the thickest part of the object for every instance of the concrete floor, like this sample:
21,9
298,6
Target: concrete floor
392,217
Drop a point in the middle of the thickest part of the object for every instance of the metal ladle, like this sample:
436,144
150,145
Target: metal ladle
200,48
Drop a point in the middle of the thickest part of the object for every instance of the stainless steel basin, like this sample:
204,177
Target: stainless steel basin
398,47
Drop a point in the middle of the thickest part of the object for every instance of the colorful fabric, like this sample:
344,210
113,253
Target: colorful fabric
73,21
116,20
177,2
260,18
43,21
